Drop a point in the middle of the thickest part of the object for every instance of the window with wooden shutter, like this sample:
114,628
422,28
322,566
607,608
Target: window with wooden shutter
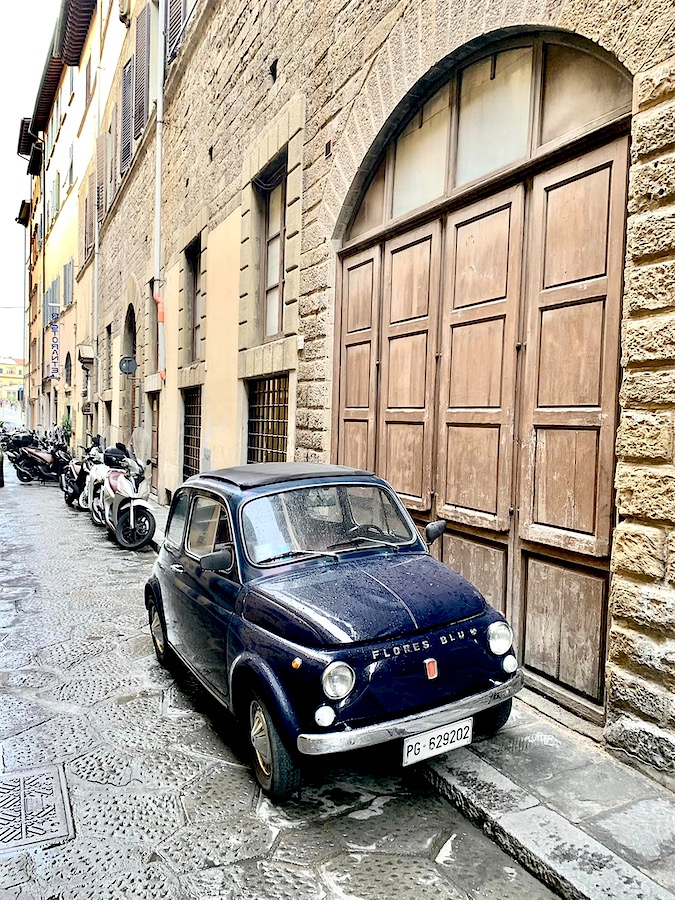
112,156
89,215
174,26
142,74
100,177
127,113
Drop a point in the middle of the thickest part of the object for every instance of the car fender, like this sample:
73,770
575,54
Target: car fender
259,674
152,587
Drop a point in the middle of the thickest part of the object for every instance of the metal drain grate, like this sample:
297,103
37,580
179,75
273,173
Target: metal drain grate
33,808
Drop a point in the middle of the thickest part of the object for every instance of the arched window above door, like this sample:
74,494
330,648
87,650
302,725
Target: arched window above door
496,112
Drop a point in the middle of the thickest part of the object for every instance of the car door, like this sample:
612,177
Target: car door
208,598
170,568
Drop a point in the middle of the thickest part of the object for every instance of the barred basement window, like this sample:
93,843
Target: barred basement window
268,419
192,429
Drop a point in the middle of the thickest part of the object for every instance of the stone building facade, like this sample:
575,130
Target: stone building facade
309,99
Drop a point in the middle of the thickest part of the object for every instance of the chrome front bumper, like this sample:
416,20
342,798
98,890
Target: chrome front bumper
352,739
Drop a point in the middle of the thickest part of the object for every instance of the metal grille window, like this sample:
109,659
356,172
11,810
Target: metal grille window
192,428
268,419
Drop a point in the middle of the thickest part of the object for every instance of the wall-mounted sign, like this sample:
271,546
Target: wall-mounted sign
128,365
54,371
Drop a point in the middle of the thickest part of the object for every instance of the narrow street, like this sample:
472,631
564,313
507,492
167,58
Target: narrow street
159,797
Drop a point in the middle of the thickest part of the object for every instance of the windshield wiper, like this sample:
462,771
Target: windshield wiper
349,543
291,554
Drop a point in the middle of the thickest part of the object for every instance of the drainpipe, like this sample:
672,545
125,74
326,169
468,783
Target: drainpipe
94,200
157,297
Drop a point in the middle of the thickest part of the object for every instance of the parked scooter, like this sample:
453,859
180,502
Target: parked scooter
121,501
74,477
44,463
13,441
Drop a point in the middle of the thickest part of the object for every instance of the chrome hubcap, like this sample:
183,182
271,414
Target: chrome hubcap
156,630
260,739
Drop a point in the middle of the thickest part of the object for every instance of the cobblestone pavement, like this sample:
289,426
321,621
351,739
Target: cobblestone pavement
159,799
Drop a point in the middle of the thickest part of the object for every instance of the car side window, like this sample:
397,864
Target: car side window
174,532
203,524
223,533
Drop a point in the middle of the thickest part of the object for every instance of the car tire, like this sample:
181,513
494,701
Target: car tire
277,772
491,720
158,634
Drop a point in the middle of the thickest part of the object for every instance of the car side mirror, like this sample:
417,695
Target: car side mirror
220,561
434,530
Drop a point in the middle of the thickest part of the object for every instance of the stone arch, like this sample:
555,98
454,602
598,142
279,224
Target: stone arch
415,46
130,345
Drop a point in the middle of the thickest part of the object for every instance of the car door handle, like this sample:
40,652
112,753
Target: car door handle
177,568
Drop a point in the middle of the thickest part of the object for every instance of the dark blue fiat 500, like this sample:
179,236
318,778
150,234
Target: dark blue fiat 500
303,597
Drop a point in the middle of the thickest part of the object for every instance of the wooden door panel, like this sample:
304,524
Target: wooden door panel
357,439
565,616
403,455
408,354
482,564
570,352
408,363
575,226
473,467
567,502
476,367
358,359
410,272
357,375
573,307
482,259
483,251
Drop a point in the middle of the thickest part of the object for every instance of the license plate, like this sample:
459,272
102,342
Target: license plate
437,740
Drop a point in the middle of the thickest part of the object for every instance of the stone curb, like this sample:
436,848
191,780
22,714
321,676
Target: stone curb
557,852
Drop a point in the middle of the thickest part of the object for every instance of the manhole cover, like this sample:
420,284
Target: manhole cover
33,807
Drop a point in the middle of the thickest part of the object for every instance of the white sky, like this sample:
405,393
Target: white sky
30,25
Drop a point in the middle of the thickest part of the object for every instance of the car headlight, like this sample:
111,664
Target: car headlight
338,680
500,638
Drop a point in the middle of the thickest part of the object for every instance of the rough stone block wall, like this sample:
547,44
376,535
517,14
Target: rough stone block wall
360,64
641,668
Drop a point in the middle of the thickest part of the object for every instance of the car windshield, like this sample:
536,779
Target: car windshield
317,520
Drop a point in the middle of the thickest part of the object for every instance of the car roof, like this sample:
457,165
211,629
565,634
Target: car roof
259,474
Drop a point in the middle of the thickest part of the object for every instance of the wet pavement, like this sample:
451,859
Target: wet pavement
119,780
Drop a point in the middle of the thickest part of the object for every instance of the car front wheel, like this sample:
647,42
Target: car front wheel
277,772
158,634
491,720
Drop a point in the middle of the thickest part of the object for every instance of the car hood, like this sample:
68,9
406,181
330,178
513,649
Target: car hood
373,597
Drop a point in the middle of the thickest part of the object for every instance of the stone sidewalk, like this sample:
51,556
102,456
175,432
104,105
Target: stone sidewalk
581,821
584,823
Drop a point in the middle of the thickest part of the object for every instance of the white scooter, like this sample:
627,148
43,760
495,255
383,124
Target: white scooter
122,499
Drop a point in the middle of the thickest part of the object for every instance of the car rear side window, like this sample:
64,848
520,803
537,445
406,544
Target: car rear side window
174,532
203,524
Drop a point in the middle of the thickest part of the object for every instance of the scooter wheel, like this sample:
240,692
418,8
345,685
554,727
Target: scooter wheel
141,533
96,512
68,498
23,476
